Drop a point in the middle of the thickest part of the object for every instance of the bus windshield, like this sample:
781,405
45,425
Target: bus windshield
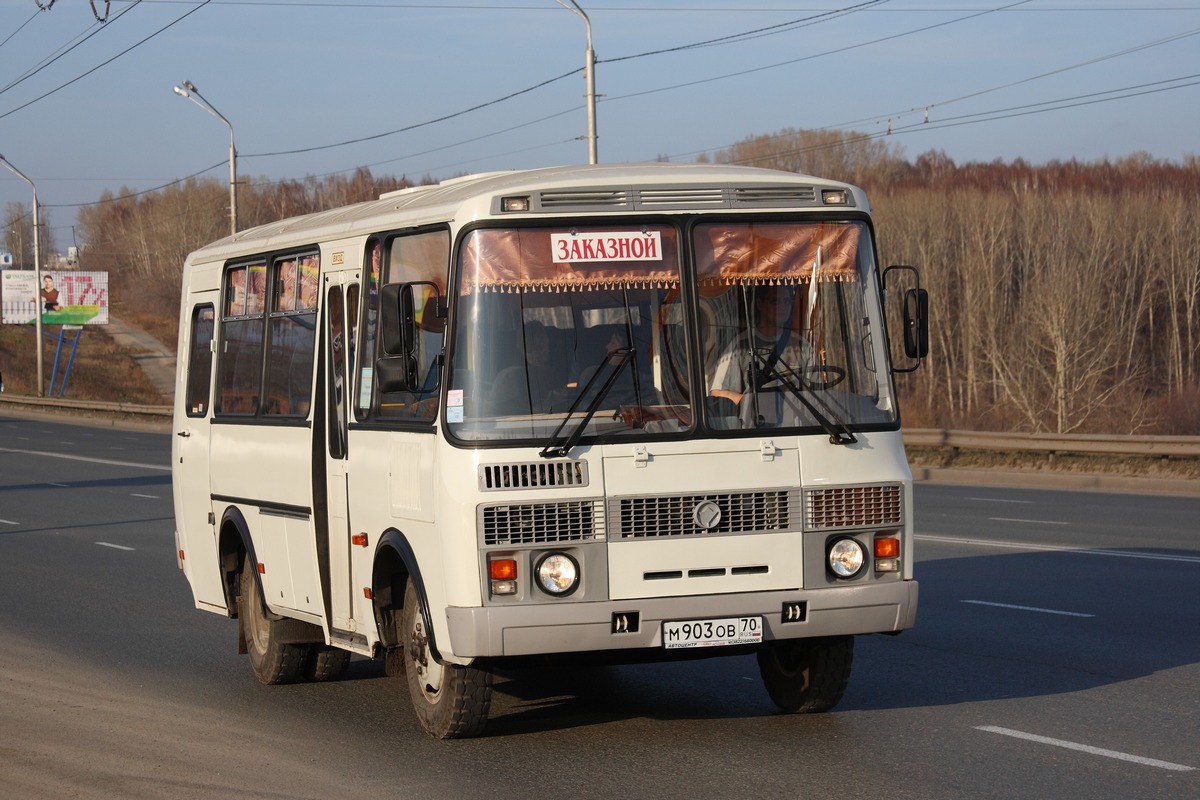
577,331
550,318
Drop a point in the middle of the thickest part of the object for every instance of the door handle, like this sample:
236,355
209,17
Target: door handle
184,434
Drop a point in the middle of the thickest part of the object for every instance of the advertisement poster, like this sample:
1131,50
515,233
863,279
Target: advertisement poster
64,298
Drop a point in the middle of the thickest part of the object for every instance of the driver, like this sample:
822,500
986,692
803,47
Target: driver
773,321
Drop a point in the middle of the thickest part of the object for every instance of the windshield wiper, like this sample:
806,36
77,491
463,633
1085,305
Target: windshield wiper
765,371
616,359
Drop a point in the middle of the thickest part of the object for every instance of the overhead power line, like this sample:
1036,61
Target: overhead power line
791,25
992,115
417,125
62,52
105,63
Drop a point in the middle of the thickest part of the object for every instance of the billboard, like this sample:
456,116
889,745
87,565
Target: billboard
64,298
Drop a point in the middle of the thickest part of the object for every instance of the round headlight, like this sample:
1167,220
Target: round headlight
558,574
846,558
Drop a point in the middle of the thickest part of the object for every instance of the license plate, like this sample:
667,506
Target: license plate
712,632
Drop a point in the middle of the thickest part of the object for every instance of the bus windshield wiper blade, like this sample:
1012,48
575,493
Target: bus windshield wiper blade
615,359
838,431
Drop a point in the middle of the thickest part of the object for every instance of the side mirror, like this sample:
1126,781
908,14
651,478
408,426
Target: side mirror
914,315
395,328
404,310
916,323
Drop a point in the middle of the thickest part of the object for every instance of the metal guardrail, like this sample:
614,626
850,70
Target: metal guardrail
1081,443
85,406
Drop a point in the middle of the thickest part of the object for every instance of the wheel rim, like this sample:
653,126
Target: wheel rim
428,671
256,622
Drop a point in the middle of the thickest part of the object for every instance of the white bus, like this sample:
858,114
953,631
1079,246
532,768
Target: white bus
599,413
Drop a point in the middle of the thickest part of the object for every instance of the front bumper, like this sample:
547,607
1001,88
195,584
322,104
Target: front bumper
493,632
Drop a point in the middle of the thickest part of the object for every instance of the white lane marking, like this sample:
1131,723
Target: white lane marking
1027,521
147,496
86,458
8,522
1057,549
114,546
1001,500
59,485
1083,748
1027,608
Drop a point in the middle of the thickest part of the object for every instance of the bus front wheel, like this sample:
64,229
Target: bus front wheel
451,701
272,660
806,675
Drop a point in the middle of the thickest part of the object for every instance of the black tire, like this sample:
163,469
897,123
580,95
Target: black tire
326,663
806,676
450,701
272,661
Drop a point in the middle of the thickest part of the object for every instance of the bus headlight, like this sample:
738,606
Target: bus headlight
557,574
846,558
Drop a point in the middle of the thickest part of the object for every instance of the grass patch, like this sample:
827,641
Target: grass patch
101,371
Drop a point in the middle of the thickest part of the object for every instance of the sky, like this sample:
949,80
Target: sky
437,89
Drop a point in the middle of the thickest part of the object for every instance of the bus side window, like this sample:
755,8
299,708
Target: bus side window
293,330
370,326
418,257
239,365
199,381
424,257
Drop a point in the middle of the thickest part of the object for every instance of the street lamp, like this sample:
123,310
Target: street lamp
37,271
188,90
589,74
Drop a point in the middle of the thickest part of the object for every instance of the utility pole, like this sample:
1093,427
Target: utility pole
37,270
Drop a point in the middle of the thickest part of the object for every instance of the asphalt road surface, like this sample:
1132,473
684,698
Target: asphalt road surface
1056,655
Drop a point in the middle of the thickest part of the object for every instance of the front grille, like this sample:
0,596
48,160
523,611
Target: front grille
667,197
532,475
681,198
853,507
776,195
579,199
677,515
541,523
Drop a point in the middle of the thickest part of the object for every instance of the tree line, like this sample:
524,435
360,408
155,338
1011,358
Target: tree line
1065,296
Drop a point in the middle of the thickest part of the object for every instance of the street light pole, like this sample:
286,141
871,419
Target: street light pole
589,74
187,90
37,270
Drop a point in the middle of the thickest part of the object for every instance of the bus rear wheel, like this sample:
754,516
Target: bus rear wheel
272,660
806,676
451,701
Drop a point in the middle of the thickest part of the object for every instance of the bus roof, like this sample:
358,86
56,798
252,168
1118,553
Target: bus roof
648,187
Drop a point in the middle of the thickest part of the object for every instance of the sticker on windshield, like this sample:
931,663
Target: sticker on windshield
600,246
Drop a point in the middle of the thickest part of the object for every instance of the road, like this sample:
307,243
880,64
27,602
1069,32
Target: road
1057,654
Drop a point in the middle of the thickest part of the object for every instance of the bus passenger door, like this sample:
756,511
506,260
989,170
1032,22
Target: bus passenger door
341,313
195,532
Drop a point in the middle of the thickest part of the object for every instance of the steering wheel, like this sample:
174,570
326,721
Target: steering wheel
823,376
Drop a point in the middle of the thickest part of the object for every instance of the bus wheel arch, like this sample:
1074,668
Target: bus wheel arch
450,701
233,546
393,568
